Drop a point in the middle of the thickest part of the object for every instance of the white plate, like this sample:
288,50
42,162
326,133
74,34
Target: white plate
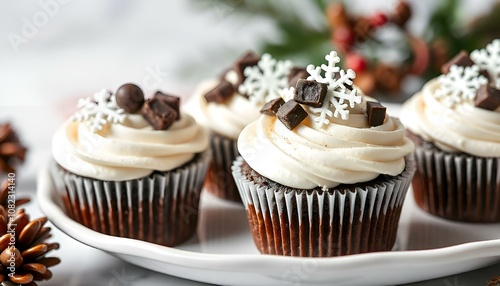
223,251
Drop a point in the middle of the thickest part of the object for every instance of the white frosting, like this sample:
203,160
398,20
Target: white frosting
127,151
463,128
227,118
309,156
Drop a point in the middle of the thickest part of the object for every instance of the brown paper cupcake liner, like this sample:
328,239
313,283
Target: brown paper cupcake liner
311,223
161,208
457,186
220,181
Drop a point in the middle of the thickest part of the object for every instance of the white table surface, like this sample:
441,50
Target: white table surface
87,45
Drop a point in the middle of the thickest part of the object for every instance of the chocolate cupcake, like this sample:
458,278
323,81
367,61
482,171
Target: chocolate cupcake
131,167
324,171
455,122
226,105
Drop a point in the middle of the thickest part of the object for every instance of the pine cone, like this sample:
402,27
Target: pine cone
494,281
11,150
4,195
24,262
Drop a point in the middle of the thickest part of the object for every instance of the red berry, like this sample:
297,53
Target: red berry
378,19
344,38
356,62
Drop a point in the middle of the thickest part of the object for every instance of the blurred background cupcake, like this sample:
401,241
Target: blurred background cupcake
324,171
131,167
455,123
228,104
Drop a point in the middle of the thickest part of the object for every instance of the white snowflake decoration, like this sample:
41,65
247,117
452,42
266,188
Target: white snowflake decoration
489,59
266,80
337,93
100,111
459,85
288,93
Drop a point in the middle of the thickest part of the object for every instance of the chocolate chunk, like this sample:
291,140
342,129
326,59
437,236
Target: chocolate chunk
375,112
487,97
159,113
271,107
130,97
221,92
295,74
310,92
248,59
173,101
461,59
291,114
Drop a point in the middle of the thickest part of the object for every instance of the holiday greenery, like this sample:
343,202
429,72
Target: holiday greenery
381,63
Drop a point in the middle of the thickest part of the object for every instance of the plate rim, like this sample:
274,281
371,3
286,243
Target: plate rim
250,262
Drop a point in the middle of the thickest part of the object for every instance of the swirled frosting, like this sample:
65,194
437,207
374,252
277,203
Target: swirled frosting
129,150
227,119
309,156
462,128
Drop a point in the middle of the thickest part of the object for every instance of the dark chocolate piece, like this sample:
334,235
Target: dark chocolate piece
291,114
310,92
129,97
487,97
375,112
295,74
461,59
173,101
248,59
271,107
159,113
221,92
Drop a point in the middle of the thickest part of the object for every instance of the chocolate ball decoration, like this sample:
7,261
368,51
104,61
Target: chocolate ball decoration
130,97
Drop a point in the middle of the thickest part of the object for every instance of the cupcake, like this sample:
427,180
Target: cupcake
455,124
226,105
324,171
131,167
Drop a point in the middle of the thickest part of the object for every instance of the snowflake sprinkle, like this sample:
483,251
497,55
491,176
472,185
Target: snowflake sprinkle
489,59
337,94
287,93
459,85
265,81
98,112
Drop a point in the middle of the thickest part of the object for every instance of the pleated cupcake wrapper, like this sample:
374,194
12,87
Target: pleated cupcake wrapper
324,224
161,208
220,181
457,187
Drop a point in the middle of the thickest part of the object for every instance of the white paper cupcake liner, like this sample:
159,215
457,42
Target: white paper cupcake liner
457,186
220,181
161,208
313,223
